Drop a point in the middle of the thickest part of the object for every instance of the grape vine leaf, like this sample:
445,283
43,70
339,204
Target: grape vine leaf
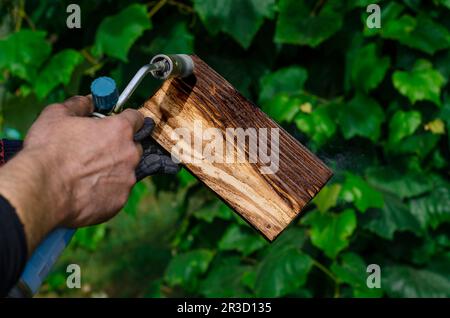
174,38
409,282
390,11
355,189
419,144
404,184
319,124
225,279
330,232
288,80
57,71
421,83
354,118
241,240
299,23
420,33
433,209
184,269
327,197
284,268
394,216
213,210
351,269
403,124
282,107
368,68
241,19
116,34
23,52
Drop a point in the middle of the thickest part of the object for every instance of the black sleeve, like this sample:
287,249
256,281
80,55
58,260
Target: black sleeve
8,148
13,247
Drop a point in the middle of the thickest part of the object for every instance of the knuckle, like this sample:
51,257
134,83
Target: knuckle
123,125
133,156
53,109
78,99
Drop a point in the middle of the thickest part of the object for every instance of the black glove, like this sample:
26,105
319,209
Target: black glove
154,159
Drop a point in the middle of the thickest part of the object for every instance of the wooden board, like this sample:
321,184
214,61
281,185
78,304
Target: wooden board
268,201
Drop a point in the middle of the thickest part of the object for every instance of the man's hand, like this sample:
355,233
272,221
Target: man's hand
73,170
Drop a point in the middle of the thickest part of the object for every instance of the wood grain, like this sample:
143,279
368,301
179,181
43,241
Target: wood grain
269,202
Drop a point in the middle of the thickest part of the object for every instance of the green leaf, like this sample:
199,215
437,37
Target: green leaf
279,90
174,39
284,268
184,269
420,33
239,239
286,80
421,145
186,178
355,189
409,282
225,279
282,107
403,124
249,279
394,216
137,193
330,232
213,210
355,120
402,184
368,69
352,270
433,209
23,52
89,237
241,19
319,124
389,12
445,3
116,34
20,112
58,71
297,24
421,83
154,290
327,197
445,115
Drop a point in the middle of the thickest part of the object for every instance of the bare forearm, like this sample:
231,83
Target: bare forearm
25,183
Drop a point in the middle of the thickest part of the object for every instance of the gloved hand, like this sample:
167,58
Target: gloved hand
154,159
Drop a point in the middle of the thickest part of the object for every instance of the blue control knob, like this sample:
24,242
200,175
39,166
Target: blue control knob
105,94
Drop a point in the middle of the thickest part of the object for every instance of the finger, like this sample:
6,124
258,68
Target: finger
145,131
134,117
168,166
149,165
140,149
79,105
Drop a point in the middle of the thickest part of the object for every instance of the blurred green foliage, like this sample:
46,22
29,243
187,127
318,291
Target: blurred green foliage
373,103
